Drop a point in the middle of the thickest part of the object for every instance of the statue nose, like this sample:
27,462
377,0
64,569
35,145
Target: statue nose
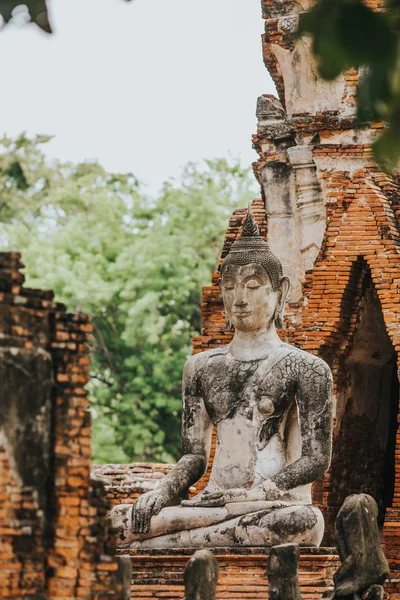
240,296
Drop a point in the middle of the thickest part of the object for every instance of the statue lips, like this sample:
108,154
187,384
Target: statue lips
242,313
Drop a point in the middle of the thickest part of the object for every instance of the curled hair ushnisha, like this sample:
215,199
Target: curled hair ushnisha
251,248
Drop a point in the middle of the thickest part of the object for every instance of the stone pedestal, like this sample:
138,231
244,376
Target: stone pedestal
242,576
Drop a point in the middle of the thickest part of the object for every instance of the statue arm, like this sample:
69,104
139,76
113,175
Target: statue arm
315,406
196,437
196,444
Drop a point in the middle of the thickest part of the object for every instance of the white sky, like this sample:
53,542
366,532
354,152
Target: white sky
142,86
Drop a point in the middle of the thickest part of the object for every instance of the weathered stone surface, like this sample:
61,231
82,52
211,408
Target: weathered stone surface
25,412
201,576
364,567
357,540
283,562
125,576
375,592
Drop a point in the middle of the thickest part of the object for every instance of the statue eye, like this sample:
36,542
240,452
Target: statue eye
253,284
229,285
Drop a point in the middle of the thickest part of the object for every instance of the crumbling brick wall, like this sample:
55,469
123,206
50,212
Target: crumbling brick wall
123,484
54,536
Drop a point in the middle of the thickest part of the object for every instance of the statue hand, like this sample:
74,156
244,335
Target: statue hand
214,499
145,507
272,492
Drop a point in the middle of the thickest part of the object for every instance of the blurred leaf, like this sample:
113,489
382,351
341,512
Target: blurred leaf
387,147
347,33
374,94
15,172
6,8
367,36
42,20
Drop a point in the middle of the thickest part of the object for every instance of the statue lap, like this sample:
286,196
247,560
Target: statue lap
175,527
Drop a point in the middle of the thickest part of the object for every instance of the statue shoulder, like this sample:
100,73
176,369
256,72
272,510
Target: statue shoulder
307,365
197,362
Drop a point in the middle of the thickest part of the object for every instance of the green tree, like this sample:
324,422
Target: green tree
347,33
137,265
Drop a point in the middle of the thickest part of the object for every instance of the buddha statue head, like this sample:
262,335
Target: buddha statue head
253,287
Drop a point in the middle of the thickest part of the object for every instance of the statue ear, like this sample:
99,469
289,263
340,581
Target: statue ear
227,320
284,286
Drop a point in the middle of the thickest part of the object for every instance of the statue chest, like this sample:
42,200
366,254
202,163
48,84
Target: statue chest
257,391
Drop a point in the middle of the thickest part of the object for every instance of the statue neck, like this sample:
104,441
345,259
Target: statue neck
254,345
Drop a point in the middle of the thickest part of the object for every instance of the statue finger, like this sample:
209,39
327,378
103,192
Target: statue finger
140,517
135,519
147,513
158,505
138,503
136,512
192,502
221,501
195,502
205,502
215,495
140,514
145,508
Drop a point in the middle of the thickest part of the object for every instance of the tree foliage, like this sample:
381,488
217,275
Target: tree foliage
347,33
136,264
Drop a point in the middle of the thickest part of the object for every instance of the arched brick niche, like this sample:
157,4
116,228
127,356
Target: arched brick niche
366,409
367,400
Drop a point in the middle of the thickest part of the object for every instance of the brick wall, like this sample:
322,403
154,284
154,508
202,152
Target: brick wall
242,575
54,535
123,484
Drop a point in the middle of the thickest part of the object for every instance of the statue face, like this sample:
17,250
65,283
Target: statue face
249,299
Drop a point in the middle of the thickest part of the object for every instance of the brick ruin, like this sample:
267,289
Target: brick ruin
334,219
54,536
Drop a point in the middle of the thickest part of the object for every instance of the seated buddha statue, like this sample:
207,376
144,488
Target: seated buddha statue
271,406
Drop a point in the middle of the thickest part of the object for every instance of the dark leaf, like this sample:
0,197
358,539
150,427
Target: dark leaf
15,172
43,22
387,147
6,8
367,36
39,15
321,22
374,93
346,33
